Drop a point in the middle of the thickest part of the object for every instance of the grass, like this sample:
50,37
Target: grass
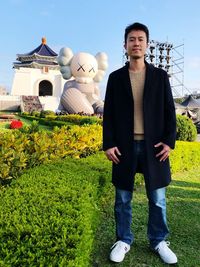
183,203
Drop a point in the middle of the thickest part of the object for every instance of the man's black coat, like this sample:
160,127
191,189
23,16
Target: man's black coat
159,125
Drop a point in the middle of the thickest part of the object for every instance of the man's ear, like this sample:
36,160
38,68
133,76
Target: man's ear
125,52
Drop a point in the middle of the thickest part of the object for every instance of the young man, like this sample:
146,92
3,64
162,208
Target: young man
139,129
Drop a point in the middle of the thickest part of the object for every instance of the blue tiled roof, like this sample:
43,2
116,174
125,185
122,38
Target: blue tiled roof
42,50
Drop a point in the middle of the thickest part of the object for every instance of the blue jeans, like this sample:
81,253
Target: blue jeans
157,229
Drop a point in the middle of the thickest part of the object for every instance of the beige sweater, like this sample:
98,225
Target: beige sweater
137,84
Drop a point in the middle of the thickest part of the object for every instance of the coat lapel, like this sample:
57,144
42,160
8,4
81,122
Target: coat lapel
126,80
148,81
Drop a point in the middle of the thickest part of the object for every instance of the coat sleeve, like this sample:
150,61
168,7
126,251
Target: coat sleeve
108,119
170,116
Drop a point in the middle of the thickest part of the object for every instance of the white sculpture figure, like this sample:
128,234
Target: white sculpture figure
81,94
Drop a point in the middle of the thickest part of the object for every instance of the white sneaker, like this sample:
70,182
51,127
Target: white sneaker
166,254
119,249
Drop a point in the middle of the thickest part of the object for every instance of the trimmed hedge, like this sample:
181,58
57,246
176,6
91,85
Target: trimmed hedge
185,156
52,119
44,121
79,119
49,215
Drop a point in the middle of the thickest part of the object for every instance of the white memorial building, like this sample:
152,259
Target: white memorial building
37,76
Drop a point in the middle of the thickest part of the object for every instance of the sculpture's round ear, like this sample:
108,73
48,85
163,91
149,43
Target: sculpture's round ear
65,56
64,60
99,76
102,61
66,72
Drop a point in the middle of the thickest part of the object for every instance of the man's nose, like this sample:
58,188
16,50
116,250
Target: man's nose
136,42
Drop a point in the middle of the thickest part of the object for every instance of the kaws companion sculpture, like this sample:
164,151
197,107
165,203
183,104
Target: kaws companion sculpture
81,94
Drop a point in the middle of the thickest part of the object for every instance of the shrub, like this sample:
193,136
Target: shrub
16,124
77,119
90,120
186,130
35,113
25,113
25,149
185,156
32,128
51,117
48,216
44,113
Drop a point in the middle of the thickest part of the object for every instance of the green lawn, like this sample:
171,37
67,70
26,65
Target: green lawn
183,197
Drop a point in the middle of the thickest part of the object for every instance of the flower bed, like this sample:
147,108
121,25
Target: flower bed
16,124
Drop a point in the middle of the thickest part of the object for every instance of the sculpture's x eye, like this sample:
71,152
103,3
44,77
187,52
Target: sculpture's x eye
92,69
80,67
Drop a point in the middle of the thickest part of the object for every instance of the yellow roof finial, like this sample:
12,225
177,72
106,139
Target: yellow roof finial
44,41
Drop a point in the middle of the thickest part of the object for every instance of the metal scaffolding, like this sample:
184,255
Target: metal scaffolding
170,58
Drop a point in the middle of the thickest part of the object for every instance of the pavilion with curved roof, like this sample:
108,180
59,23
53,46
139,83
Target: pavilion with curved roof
37,74
41,56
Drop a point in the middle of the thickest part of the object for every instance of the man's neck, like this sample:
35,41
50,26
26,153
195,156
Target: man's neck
137,65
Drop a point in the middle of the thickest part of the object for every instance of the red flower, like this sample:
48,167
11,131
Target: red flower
16,124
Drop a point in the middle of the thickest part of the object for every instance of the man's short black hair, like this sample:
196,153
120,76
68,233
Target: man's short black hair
136,27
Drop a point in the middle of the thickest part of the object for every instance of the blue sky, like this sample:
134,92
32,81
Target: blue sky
94,26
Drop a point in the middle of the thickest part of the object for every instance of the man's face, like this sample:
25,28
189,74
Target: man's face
136,44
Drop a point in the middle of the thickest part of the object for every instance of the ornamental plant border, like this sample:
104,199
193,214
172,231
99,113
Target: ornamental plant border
19,151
